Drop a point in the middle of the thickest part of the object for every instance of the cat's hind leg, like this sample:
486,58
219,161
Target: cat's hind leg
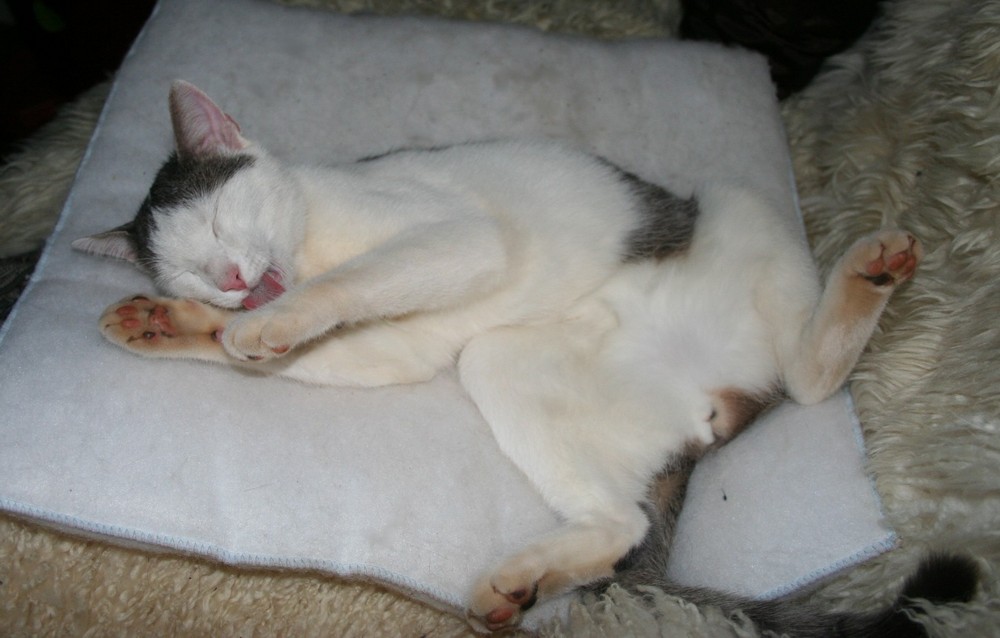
573,427
856,292
167,328
581,551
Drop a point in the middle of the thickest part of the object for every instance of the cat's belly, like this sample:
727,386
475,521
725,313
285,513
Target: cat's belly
707,333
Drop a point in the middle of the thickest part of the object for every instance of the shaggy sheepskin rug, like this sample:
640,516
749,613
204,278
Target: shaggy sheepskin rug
901,129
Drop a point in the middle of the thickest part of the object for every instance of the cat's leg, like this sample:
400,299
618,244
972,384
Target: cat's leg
381,354
586,446
580,552
856,292
431,267
167,328
378,354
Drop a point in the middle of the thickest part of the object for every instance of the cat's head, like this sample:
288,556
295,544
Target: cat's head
222,220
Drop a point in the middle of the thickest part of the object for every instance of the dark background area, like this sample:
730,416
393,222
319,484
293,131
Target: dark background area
52,50
797,36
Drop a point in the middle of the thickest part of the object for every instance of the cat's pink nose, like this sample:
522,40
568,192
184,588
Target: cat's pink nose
232,281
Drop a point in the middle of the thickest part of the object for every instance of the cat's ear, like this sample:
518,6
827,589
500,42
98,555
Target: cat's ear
201,128
118,243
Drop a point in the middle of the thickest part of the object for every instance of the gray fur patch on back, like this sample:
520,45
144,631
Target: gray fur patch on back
666,223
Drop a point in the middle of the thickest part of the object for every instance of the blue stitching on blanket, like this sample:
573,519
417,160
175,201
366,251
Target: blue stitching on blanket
169,544
880,547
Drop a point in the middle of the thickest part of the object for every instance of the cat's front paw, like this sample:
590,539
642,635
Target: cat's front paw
264,334
887,258
160,327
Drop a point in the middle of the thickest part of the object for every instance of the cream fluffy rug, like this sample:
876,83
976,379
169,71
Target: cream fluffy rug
904,128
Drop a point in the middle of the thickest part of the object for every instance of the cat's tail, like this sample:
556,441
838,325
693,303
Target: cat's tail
941,578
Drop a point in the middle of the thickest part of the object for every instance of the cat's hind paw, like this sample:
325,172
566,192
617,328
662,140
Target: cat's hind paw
495,607
159,327
888,257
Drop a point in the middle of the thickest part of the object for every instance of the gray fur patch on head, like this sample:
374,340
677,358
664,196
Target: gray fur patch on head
180,181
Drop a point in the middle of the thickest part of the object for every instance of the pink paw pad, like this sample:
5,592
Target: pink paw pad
499,617
507,615
894,268
159,318
520,597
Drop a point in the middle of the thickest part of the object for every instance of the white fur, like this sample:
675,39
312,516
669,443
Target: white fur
507,258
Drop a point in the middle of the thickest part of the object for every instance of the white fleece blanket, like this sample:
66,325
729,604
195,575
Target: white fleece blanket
404,484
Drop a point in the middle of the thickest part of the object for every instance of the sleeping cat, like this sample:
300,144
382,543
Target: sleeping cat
609,331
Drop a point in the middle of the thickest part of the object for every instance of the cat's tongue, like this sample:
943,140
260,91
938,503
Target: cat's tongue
267,290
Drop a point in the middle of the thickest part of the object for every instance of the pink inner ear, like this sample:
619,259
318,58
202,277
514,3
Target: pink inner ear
200,126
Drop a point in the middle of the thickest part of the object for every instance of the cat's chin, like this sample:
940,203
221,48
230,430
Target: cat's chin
268,289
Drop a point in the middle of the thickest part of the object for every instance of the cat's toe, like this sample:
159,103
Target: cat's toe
279,335
501,617
496,605
251,339
501,614
242,343
890,257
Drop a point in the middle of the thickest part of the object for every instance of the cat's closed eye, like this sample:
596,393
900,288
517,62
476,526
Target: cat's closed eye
215,221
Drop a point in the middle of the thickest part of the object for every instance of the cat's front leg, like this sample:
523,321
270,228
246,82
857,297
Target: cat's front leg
167,328
426,268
